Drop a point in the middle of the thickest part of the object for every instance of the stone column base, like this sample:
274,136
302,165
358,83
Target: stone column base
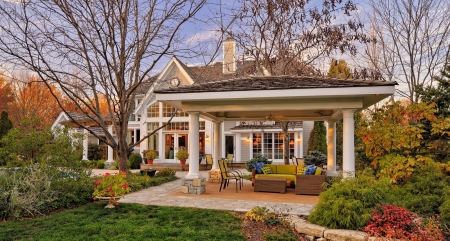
109,164
193,185
214,175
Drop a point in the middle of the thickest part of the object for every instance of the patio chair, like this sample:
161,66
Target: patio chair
294,161
209,160
234,172
226,177
229,160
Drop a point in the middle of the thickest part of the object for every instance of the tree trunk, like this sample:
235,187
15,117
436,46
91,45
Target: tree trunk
285,128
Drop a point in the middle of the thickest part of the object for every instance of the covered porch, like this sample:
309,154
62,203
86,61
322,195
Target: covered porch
282,98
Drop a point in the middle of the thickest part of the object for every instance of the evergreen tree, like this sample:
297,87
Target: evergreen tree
317,138
339,69
5,124
440,95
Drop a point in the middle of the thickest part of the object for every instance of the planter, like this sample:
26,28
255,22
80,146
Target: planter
110,204
183,162
149,161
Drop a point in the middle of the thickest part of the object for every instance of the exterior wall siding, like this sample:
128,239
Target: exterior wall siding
245,148
307,128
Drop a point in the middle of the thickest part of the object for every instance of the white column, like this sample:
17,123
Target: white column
110,150
144,144
348,149
331,157
193,145
85,144
237,150
217,144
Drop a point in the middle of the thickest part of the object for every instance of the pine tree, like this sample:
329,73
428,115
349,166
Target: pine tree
317,138
5,124
339,69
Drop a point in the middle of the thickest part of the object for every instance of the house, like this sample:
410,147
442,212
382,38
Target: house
230,107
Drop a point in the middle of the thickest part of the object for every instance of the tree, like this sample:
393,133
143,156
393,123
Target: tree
339,69
411,41
34,99
5,124
89,49
440,96
6,94
317,138
286,37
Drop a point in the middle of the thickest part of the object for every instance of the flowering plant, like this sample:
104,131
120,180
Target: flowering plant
112,186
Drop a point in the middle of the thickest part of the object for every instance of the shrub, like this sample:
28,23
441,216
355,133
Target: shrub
249,165
166,172
259,214
348,203
94,151
136,181
38,188
391,221
151,154
101,164
444,209
394,222
135,161
316,158
423,192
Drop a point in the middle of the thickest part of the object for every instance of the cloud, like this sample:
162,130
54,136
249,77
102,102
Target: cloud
202,36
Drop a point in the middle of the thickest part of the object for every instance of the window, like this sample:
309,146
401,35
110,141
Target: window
153,110
168,110
151,126
271,145
257,144
183,126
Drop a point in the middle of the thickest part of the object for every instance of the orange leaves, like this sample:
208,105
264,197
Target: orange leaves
397,128
33,99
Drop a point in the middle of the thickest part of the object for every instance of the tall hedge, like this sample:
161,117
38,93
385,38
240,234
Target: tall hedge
318,138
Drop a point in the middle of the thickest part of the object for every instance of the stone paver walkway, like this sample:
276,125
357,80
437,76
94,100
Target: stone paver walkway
163,196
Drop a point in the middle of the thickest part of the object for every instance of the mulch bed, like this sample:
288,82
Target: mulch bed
255,230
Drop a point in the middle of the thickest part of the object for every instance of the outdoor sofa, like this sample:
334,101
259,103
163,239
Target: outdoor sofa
295,177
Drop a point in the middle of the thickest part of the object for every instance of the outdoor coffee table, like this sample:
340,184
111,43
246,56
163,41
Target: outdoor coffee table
267,184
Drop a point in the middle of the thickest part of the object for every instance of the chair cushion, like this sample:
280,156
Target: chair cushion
258,167
267,170
286,169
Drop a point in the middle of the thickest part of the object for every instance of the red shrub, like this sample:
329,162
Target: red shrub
395,222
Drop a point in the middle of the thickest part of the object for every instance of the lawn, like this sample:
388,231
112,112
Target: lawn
127,222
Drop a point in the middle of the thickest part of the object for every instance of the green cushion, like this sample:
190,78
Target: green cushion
287,176
266,170
318,171
272,166
287,169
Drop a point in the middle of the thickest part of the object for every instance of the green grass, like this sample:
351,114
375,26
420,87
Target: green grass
127,222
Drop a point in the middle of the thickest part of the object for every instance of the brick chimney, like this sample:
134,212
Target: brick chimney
229,56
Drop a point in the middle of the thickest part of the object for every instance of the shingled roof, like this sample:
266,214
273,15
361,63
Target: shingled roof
273,83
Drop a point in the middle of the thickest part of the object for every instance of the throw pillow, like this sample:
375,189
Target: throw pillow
266,170
318,171
258,167
301,169
310,170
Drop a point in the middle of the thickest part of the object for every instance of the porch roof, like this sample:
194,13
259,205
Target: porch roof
280,97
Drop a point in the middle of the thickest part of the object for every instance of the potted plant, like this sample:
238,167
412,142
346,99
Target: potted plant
182,155
111,188
151,155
